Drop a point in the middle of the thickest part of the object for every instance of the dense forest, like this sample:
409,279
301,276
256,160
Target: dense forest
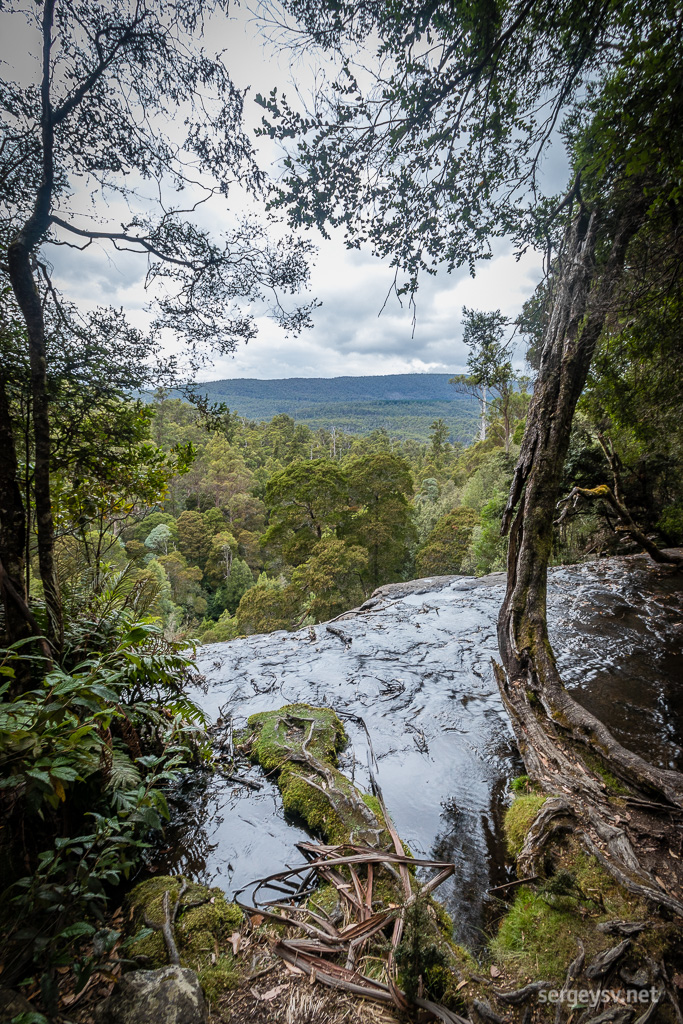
403,404
310,523
131,530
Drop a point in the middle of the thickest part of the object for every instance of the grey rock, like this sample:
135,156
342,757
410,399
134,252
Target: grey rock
171,995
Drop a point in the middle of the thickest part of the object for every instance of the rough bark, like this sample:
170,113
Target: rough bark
19,256
554,732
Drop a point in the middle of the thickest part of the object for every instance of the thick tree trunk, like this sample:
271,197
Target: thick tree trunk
552,729
12,528
24,287
28,298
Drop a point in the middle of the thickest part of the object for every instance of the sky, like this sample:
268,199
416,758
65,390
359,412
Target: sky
354,332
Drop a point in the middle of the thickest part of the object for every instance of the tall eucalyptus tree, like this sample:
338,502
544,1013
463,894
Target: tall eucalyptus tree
432,147
125,116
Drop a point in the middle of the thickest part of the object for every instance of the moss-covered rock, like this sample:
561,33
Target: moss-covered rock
203,926
299,745
220,977
280,733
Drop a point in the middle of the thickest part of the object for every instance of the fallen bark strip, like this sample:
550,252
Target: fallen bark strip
351,938
360,985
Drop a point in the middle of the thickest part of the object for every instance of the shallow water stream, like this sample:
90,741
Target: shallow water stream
417,670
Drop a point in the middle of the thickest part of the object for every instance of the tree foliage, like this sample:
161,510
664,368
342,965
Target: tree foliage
435,147
446,546
110,79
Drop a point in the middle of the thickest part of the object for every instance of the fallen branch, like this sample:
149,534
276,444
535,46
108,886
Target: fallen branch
166,926
335,631
242,780
627,524
517,881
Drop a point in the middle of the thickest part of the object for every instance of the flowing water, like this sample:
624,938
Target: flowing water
417,670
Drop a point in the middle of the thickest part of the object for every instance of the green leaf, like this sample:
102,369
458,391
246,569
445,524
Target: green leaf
75,930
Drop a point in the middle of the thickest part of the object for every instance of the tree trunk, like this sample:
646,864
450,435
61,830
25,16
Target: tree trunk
24,287
12,528
552,729
28,298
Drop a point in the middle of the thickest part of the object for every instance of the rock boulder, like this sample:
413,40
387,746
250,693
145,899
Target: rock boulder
172,995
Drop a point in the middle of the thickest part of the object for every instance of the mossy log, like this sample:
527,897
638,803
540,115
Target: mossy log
299,745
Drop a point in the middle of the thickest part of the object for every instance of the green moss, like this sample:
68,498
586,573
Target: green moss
325,900
312,788
662,942
519,818
441,983
219,977
278,733
217,917
443,918
596,764
197,947
538,938
301,798
373,803
151,950
204,922
539,933
146,898
523,784
599,885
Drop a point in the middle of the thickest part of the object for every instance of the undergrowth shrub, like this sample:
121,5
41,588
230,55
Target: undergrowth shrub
85,756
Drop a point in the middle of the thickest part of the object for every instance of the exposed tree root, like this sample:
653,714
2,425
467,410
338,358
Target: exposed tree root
563,745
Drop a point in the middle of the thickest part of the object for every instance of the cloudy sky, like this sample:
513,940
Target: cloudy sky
349,335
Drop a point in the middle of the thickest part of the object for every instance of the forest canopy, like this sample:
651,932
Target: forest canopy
130,530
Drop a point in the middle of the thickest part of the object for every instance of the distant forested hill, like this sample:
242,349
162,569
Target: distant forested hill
404,404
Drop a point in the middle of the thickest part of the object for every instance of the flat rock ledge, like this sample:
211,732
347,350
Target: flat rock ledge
171,994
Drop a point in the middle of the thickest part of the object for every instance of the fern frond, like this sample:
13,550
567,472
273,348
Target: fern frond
123,774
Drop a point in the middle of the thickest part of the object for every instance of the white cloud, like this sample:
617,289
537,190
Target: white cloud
349,336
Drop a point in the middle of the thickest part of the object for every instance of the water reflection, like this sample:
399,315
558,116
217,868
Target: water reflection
418,672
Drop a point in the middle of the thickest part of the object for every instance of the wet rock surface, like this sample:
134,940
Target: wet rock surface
414,664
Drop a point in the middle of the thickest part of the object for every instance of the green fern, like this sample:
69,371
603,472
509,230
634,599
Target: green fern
123,774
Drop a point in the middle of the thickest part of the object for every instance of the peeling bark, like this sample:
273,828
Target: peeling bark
554,732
